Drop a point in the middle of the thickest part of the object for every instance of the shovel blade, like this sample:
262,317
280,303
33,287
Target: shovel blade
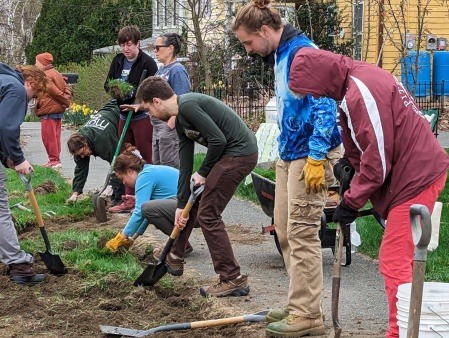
53,263
122,331
147,276
99,204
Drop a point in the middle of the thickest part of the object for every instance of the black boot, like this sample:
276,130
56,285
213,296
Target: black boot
23,274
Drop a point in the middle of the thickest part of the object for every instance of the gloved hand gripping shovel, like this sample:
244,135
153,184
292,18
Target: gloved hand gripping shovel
53,262
346,176
98,199
154,272
421,233
121,331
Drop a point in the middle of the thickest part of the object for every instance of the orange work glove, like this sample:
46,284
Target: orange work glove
119,242
313,175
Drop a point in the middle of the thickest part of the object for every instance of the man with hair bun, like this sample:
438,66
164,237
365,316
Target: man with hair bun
309,145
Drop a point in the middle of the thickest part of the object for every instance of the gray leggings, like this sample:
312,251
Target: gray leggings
160,213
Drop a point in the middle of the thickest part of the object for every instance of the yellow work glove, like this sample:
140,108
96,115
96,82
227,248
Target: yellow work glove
313,175
119,242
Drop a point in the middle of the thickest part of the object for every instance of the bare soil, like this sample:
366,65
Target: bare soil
67,307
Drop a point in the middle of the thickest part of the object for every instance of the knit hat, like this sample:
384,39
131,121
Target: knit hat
45,58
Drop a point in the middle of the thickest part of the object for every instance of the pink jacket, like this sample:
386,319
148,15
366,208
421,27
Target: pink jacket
54,101
385,136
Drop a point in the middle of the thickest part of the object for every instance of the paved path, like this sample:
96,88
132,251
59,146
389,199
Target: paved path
363,306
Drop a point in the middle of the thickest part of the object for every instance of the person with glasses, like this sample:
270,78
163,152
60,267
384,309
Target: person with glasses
165,138
98,137
18,86
129,66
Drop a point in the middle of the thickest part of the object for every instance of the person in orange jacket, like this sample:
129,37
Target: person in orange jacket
50,108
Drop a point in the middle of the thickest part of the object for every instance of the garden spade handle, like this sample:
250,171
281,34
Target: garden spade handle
421,233
37,212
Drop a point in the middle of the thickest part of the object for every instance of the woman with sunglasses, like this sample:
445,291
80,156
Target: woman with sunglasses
165,138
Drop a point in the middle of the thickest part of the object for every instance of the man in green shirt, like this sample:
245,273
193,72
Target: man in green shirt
231,155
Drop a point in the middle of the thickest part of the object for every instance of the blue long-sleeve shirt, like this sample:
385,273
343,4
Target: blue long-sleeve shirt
308,126
152,183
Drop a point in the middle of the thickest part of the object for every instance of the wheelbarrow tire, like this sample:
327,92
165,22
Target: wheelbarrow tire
276,241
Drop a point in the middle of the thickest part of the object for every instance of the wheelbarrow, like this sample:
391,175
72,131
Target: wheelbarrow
265,191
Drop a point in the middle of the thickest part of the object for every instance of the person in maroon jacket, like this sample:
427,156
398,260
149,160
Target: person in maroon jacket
397,160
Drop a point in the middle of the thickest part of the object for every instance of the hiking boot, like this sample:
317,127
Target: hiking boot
276,315
175,265
294,326
23,274
233,287
119,242
125,206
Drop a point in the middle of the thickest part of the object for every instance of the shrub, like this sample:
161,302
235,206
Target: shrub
77,114
90,87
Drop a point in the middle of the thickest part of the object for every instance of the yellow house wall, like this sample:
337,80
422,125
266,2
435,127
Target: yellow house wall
436,22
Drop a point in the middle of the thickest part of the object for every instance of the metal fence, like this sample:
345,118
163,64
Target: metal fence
430,99
246,91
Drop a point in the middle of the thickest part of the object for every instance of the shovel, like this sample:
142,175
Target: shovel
121,331
53,262
154,272
98,199
421,233
346,176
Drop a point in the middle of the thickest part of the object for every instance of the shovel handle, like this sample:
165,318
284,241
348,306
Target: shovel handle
37,212
421,232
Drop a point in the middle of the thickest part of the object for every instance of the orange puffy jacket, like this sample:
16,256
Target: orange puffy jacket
54,101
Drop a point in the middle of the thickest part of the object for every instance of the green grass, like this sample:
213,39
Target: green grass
48,203
83,255
78,250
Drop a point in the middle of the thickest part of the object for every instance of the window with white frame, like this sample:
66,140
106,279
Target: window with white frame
357,28
166,15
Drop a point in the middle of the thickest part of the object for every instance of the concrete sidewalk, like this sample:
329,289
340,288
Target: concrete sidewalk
35,153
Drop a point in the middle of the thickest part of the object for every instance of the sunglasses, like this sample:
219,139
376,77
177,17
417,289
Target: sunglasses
157,47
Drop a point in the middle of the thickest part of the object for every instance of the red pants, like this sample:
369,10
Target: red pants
51,137
140,135
396,250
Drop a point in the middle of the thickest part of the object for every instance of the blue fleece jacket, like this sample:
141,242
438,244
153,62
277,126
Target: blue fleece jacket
13,108
153,182
308,126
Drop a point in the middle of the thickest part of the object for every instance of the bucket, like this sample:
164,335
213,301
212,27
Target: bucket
441,73
434,320
271,112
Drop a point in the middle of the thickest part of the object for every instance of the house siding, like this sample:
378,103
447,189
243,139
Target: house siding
436,22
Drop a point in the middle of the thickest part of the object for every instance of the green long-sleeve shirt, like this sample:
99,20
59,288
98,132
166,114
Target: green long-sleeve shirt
213,124
101,134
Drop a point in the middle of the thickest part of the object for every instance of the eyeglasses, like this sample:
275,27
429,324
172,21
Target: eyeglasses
157,47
